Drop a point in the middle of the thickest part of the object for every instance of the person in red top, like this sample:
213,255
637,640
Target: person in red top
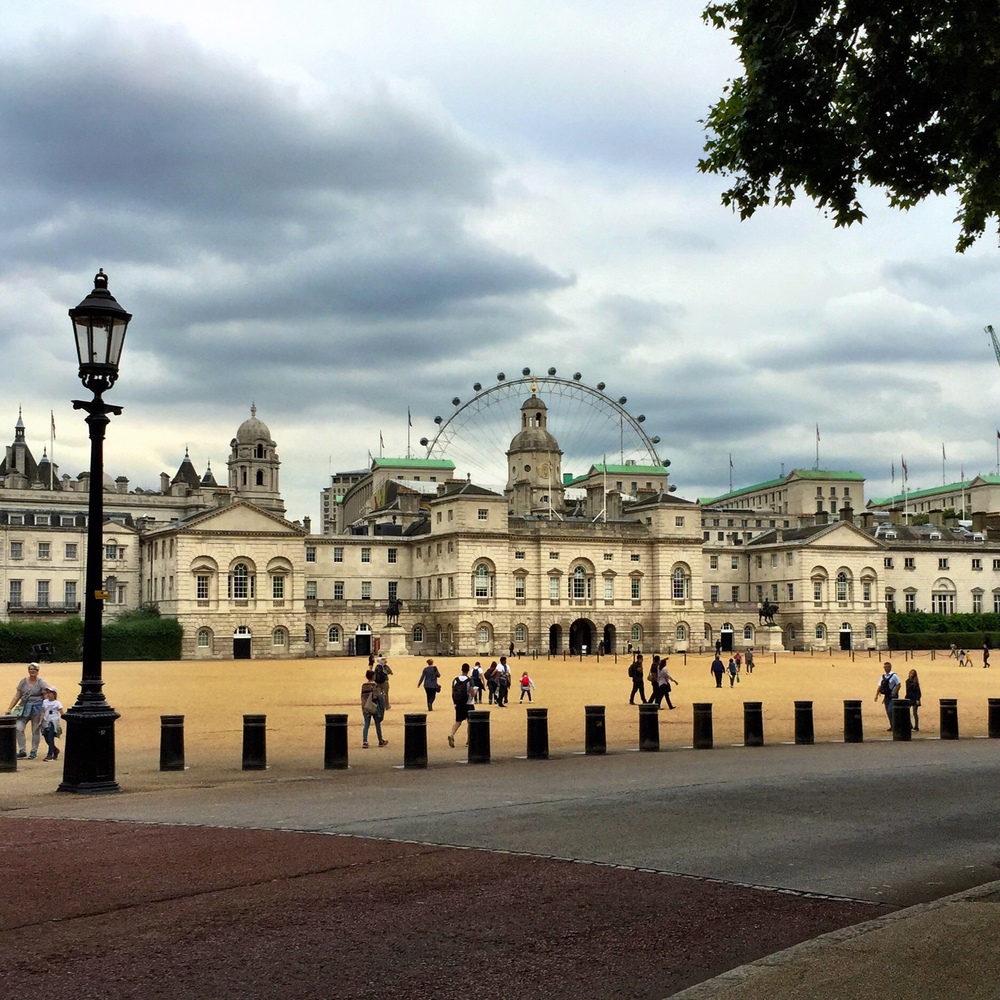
527,686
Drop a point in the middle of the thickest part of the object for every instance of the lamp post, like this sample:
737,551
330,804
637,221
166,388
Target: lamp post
99,325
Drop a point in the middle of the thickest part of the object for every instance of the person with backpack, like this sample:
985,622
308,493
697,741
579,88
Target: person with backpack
503,682
527,686
663,682
888,689
381,675
491,681
372,709
462,694
478,683
635,672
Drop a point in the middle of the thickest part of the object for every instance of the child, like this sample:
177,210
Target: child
527,685
52,711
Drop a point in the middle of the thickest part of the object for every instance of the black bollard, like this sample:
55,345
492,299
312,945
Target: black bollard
479,737
804,723
595,735
949,718
254,742
8,743
703,739
902,725
993,718
538,734
415,739
335,743
649,727
753,724
853,728
171,742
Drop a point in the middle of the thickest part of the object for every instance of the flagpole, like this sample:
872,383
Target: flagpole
817,447
52,448
730,472
409,424
944,478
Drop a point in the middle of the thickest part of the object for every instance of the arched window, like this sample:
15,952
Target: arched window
418,633
483,635
636,633
204,638
483,581
842,587
580,583
279,637
310,636
681,583
748,631
259,451
241,582
520,634
870,631
820,631
260,477
681,633
333,635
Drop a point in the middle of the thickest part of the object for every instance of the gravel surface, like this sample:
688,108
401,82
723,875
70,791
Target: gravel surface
97,909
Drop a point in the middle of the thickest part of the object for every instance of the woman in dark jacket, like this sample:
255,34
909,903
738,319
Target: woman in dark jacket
913,697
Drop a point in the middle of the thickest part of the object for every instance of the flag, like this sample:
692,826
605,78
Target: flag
893,472
817,433
381,443
902,462
942,451
998,435
409,419
730,460
53,416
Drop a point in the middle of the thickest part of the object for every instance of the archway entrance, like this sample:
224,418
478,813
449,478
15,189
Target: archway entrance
581,637
363,640
610,639
845,635
241,642
726,637
555,639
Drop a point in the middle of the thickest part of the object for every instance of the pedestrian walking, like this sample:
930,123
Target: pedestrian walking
718,670
913,697
635,673
491,681
663,682
888,689
462,695
27,706
52,712
382,673
733,672
372,708
478,682
430,682
749,659
986,653
527,686
503,683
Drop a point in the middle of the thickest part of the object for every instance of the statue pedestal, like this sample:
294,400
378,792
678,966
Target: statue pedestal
767,639
392,641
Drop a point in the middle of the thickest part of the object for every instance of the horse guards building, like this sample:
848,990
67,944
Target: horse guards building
606,560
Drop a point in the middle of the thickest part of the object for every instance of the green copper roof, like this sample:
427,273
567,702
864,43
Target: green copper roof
932,491
771,483
602,469
414,463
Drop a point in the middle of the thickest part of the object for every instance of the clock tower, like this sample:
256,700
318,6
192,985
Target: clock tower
534,463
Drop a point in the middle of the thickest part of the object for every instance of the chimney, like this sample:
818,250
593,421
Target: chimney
847,513
164,483
307,524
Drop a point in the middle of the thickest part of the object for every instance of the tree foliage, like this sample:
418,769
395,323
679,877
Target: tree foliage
902,95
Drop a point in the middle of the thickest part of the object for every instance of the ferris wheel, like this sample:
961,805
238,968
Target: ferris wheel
591,427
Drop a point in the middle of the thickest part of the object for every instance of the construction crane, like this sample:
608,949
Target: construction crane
996,343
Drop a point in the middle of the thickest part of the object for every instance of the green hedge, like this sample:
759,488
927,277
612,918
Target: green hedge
922,622
136,636
969,641
17,638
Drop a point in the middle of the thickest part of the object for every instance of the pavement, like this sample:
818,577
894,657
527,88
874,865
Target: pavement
567,878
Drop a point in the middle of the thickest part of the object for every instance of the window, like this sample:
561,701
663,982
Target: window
17,550
366,555
69,593
333,635
579,584
734,562
636,587
310,553
366,590
553,588
519,588
451,586
418,633
110,551
391,555
977,564
634,557
760,562
911,602
713,593
278,588
519,554
713,562
483,635
43,593
17,519
42,519
338,553
278,637
890,600
678,522
909,562
760,594
338,590
996,602
483,582
553,555
680,584
942,563
44,550
67,521
943,603
820,632
15,593
393,590
437,587
791,591
241,583
774,558
420,590
842,587
866,591
204,638
774,591
636,634
310,590
71,550
887,562
977,602
201,587
996,564
609,588
817,591
483,514
736,595
748,632
520,634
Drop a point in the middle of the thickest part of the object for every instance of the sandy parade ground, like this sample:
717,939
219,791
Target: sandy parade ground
295,695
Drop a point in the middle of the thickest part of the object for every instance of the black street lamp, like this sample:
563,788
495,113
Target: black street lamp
99,325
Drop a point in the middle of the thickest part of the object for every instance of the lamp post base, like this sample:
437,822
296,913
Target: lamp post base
89,754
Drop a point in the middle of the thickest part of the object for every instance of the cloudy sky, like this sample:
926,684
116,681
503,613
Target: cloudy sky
342,210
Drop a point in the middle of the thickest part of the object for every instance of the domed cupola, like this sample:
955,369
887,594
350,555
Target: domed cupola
254,463
534,461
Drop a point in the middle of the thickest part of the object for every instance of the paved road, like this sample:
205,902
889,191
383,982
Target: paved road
885,822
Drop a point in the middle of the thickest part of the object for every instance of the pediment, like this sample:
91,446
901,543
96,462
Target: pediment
242,518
